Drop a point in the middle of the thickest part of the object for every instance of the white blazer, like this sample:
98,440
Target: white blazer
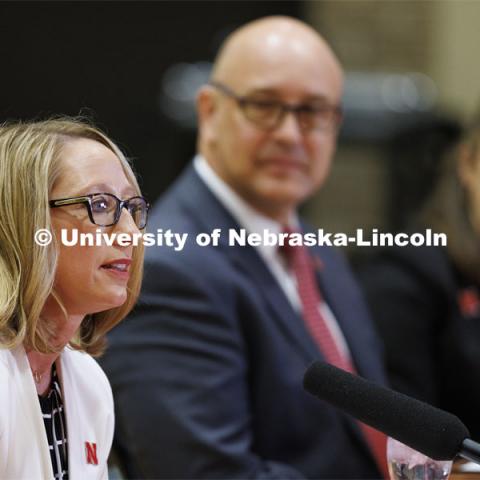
88,402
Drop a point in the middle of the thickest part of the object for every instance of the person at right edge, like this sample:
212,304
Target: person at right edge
426,300
207,373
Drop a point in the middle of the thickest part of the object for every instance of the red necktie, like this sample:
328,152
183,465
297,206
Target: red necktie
301,264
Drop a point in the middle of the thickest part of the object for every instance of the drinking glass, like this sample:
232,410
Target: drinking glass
404,463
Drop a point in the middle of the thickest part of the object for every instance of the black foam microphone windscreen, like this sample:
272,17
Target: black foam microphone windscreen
435,433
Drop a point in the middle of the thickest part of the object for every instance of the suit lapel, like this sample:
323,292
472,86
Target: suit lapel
289,321
246,259
35,433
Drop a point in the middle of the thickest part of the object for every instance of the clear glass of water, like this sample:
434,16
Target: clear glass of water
404,463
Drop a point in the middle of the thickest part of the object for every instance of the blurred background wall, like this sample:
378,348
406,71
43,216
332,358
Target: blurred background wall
107,60
407,51
412,79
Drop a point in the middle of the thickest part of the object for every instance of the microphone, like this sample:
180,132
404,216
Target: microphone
427,429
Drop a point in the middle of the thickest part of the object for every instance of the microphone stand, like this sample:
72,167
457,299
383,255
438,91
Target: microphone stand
470,450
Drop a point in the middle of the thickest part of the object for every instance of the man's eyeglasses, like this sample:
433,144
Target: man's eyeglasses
269,114
104,209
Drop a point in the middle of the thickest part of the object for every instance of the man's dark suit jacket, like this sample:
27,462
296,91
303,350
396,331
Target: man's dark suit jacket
428,314
207,372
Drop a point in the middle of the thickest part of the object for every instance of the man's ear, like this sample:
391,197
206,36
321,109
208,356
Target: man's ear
206,107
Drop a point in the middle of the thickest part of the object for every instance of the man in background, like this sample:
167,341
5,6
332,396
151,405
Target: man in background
207,373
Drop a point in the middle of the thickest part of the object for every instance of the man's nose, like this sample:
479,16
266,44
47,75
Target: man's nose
289,129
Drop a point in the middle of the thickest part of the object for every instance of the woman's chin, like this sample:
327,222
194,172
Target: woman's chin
115,299
119,298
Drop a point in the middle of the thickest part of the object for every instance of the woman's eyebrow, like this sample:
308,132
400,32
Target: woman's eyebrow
104,188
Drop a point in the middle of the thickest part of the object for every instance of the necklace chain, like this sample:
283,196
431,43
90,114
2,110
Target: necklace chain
37,376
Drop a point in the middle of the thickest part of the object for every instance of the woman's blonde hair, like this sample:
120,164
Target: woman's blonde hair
448,209
30,163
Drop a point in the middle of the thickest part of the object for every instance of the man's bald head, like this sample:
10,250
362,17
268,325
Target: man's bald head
270,38
269,67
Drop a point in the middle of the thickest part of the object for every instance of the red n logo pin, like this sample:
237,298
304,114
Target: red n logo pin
91,453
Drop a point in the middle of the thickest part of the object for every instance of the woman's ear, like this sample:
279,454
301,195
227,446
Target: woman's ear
466,167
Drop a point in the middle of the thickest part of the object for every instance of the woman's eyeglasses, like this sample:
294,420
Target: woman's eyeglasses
105,209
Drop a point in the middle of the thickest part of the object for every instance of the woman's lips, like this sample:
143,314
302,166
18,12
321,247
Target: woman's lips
119,268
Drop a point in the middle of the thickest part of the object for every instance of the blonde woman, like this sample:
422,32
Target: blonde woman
57,302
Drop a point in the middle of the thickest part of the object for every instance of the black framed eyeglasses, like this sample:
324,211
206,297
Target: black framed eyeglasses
105,209
269,114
